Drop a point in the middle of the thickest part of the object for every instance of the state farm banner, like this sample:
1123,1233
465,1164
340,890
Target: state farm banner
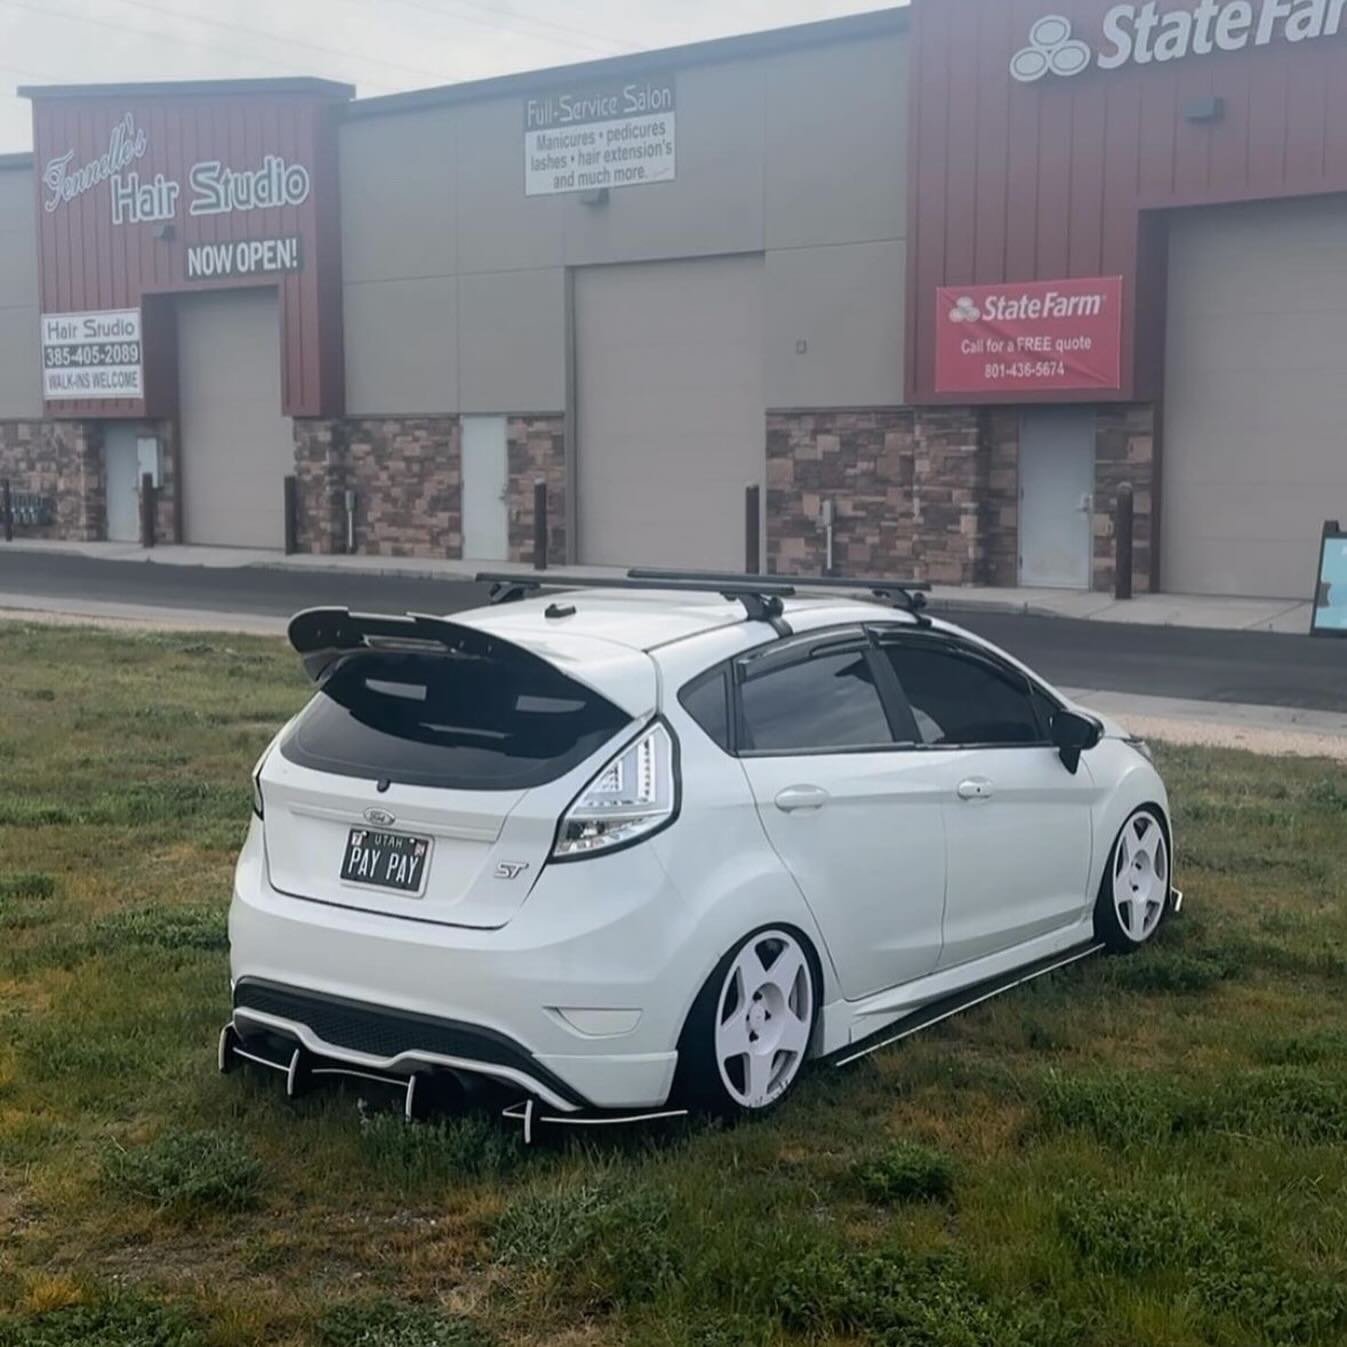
1030,337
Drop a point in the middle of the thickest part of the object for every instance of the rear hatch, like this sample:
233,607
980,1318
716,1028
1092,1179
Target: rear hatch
426,779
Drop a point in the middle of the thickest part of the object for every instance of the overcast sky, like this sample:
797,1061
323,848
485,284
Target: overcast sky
379,45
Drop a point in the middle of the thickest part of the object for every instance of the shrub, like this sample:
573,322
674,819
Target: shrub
606,1245
470,1145
26,884
123,1321
188,1170
386,1323
905,1172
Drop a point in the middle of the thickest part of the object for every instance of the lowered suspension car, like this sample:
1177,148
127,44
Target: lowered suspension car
661,843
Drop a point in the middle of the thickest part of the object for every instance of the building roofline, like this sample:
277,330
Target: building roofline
15,161
181,88
850,27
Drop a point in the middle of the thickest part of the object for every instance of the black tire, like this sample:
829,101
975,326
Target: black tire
1154,887
698,1081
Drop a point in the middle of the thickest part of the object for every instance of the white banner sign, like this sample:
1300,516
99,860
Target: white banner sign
92,355
583,140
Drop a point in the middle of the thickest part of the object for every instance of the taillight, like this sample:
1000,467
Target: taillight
632,798
257,792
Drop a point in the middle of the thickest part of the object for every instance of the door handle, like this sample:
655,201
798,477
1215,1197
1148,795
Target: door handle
976,788
794,799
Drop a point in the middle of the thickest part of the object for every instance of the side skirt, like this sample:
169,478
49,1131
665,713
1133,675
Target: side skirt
966,999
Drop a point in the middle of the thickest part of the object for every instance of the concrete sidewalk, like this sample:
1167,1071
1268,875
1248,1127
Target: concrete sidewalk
1287,616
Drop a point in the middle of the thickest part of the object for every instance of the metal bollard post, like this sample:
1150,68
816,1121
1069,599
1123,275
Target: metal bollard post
7,509
1123,517
290,495
539,524
148,509
752,530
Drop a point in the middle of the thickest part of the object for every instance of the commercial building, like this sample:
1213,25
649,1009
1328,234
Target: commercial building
947,275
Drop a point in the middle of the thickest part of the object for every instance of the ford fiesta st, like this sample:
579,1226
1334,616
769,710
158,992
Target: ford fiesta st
663,843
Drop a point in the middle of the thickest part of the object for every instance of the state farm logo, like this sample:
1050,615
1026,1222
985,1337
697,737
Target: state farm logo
1051,48
965,310
1139,34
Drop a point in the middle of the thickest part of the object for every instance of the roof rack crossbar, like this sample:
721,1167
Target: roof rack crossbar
909,595
761,597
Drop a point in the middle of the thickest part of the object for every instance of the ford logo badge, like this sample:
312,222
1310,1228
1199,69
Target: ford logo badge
381,818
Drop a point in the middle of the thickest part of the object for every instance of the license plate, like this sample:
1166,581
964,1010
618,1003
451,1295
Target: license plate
380,860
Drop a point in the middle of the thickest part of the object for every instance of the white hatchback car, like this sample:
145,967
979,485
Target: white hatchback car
668,841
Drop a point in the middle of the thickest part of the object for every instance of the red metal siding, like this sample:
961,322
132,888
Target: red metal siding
89,263
1071,177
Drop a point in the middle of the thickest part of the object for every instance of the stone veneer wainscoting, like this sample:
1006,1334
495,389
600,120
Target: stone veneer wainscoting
61,459
537,448
407,473
906,485
933,493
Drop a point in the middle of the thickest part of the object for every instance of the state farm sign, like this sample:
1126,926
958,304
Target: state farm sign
1032,337
1139,34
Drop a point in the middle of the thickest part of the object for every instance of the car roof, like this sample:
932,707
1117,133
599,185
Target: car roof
649,619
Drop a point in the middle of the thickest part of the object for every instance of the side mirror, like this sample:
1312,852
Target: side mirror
1074,734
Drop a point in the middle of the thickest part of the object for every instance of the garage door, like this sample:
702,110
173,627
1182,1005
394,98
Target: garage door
670,415
236,446
1255,443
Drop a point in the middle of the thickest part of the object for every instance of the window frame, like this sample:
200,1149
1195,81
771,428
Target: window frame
779,655
948,643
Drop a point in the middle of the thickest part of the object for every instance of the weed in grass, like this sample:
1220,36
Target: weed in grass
1129,1233
414,1154
1310,1049
1328,793
386,1323
599,1244
1119,1108
905,1172
1282,1305
173,928
1291,1102
187,1171
1234,1273
890,1296
26,884
121,1321
1174,971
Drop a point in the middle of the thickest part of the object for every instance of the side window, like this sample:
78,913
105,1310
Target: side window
706,701
827,701
959,699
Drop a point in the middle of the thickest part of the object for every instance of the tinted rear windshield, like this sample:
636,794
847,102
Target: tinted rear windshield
456,721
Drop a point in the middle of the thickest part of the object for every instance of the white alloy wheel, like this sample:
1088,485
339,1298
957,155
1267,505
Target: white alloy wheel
764,1017
1140,876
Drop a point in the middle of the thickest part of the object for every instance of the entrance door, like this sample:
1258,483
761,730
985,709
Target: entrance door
121,463
1056,497
486,532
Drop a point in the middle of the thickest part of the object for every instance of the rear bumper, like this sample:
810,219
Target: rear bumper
396,1043
579,1001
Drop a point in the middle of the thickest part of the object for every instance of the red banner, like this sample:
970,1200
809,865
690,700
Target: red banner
1029,337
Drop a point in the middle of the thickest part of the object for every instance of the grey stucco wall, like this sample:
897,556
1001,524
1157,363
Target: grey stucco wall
20,358
454,279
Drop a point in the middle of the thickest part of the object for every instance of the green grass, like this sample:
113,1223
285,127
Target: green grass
1131,1153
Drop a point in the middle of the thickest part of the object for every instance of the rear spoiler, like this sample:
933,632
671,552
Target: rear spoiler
324,637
